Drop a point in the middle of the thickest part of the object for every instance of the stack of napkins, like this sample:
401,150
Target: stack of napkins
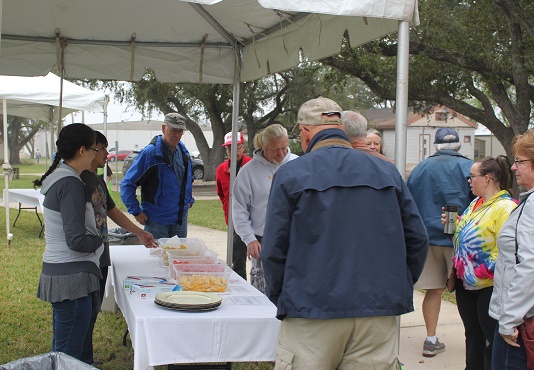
149,286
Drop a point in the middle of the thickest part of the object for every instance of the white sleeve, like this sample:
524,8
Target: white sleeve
241,199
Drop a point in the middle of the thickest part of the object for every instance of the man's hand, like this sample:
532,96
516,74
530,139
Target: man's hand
253,249
148,240
511,339
141,218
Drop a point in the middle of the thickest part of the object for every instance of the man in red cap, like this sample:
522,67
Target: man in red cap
223,191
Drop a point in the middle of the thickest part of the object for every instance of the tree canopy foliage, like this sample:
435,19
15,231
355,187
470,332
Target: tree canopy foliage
475,57
21,132
263,101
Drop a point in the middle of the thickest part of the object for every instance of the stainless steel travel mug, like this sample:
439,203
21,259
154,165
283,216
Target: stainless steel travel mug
451,214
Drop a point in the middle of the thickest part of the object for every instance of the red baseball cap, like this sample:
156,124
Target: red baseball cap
228,139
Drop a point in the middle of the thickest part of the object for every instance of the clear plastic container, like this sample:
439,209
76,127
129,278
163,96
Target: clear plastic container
207,281
186,247
200,265
208,257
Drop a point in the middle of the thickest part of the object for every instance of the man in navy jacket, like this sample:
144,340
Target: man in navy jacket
343,245
439,180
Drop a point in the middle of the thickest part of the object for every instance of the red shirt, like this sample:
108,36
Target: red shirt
223,182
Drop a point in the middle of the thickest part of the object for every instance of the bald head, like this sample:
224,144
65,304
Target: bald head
354,124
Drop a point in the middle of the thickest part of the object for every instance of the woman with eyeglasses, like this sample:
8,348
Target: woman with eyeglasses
70,276
513,299
475,253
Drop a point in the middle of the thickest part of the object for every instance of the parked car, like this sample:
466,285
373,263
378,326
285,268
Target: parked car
118,156
198,165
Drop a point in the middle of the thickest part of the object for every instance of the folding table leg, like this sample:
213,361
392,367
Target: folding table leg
124,336
18,214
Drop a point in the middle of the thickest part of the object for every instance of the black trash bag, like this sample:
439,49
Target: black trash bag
48,361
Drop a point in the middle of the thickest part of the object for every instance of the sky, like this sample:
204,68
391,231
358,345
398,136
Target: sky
116,113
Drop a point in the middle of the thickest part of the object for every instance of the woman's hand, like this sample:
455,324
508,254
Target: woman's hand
512,338
443,220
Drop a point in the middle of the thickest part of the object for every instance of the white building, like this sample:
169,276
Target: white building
421,131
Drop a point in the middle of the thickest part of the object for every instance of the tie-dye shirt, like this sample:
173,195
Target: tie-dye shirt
475,240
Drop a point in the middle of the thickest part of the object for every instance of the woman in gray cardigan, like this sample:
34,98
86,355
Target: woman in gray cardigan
70,273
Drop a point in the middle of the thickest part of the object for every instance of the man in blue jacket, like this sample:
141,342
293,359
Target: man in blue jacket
163,170
342,247
439,180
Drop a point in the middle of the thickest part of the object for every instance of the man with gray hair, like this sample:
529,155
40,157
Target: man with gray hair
338,285
355,125
439,180
164,172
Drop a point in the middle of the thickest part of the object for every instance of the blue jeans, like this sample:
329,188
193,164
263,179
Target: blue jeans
167,231
506,357
87,351
70,321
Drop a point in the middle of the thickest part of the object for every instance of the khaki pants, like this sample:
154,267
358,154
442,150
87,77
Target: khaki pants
366,343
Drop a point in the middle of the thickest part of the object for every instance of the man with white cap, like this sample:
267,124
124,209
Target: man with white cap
343,245
439,180
164,172
222,175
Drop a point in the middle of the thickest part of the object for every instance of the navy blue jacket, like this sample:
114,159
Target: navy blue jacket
163,199
343,237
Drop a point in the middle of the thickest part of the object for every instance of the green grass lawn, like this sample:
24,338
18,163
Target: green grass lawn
25,321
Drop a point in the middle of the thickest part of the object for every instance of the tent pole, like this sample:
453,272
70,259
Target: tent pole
401,114
61,75
233,155
106,135
6,168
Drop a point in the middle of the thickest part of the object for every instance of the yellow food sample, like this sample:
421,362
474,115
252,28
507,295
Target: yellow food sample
174,247
203,283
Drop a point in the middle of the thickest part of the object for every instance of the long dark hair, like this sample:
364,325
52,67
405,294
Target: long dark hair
71,139
499,169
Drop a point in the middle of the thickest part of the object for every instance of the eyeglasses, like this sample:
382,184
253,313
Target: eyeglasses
94,149
520,162
471,177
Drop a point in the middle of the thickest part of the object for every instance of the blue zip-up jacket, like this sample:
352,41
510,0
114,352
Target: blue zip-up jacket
343,237
163,199
439,180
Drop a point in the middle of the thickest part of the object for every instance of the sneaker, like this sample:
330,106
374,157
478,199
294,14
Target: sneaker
430,349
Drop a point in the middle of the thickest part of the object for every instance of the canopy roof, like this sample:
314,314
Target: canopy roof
37,97
185,41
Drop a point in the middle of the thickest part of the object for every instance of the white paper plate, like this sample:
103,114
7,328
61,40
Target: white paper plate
188,299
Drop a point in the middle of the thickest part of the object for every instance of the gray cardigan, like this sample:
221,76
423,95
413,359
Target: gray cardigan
73,247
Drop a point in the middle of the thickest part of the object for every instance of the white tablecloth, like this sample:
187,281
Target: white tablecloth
27,197
243,328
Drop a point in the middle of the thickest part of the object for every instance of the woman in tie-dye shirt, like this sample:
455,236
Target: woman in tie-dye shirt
475,253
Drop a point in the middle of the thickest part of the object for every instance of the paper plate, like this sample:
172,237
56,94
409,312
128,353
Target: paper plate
186,309
188,300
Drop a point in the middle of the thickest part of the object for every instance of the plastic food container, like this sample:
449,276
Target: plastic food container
200,265
209,257
186,247
204,281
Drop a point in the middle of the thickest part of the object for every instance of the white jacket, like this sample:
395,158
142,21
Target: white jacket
512,299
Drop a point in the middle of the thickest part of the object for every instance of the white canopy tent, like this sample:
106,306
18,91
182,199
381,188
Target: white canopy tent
39,98
210,41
